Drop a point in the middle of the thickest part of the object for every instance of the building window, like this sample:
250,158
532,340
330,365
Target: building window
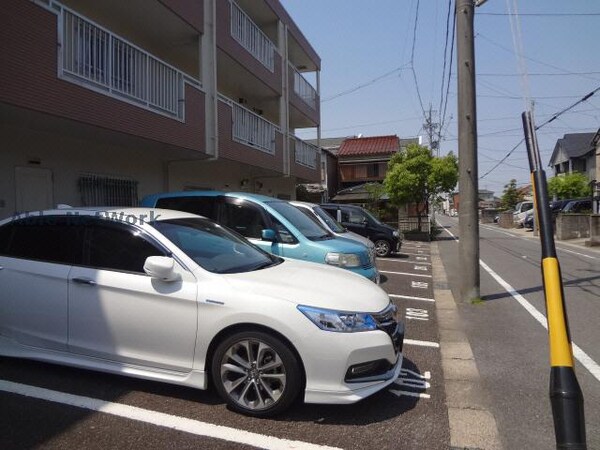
100,190
373,170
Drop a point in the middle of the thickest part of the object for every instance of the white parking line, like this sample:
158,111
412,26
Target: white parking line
421,343
410,297
405,273
404,261
159,419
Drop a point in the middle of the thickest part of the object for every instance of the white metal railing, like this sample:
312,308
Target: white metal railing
304,89
250,36
305,153
99,58
251,129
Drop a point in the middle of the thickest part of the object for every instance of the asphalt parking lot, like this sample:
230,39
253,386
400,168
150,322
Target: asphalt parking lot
45,405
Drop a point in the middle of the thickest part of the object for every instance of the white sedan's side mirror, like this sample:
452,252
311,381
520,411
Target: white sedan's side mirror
162,268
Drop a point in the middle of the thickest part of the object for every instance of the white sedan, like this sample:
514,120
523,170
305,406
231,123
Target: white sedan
174,297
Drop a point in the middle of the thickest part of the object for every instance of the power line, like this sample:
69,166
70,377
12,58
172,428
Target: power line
449,74
491,41
365,84
540,14
412,58
445,54
540,74
554,117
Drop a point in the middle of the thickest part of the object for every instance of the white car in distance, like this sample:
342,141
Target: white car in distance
170,296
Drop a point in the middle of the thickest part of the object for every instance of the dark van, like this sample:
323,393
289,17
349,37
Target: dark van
358,220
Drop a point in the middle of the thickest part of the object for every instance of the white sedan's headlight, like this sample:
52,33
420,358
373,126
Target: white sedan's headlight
342,322
343,259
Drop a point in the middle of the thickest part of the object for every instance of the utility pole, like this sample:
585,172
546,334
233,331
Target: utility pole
468,217
432,129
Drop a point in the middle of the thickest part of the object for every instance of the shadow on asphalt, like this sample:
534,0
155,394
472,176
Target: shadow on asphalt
379,407
443,238
579,282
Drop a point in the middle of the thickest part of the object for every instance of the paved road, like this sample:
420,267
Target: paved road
511,346
409,414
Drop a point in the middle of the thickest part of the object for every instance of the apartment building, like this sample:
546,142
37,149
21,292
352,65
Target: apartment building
103,102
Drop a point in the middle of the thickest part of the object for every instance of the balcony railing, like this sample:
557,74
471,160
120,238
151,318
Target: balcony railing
306,154
250,36
95,57
251,129
304,89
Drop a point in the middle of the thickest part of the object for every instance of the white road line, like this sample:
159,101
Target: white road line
576,253
159,419
578,353
403,261
421,343
410,297
405,273
581,356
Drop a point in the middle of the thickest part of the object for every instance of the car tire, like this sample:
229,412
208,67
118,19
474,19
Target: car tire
239,375
383,248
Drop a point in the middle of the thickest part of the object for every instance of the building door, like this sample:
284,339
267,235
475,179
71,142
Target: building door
33,189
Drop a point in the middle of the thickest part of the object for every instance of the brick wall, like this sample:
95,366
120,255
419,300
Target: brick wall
28,79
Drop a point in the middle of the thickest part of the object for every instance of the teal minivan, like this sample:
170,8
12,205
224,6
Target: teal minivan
273,225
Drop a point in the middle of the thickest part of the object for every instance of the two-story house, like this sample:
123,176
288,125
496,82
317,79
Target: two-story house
103,102
574,153
365,159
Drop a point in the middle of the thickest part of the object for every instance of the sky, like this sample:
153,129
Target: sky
369,50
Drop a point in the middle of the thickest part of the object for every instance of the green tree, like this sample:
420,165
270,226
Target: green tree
511,195
572,185
375,191
416,176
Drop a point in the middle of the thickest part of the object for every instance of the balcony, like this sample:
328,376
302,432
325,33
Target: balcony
304,89
94,57
250,36
250,129
305,154
305,161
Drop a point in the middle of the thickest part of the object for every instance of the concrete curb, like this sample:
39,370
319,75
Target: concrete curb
472,426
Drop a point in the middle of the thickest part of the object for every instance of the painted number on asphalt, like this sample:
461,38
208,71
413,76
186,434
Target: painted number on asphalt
419,284
417,314
421,258
420,267
413,384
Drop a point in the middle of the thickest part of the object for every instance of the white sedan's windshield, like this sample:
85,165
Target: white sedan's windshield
214,247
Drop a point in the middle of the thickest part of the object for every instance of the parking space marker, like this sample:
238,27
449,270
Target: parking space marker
419,284
420,259
409,394
420,267
410,297
421,343
159,419
405,273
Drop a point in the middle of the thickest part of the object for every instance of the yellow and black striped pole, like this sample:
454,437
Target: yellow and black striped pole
565,394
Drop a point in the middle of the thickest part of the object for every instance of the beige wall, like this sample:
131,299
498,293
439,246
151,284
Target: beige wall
228,176
67,158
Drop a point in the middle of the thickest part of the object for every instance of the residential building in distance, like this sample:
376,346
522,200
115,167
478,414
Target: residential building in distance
575,152
104,102
365,159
